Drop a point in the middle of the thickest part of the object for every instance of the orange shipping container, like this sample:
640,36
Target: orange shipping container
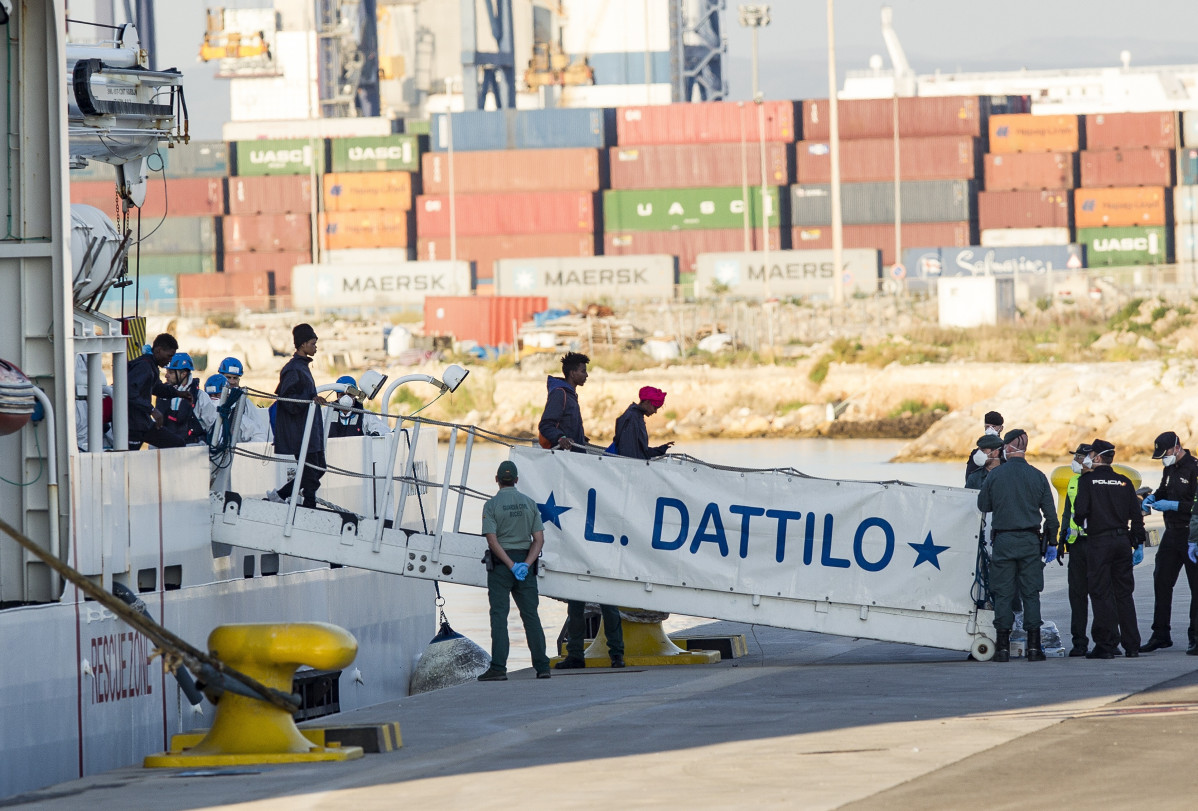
364,229
512,170
483,251
1030,171
1024,132
1127,167
1094,208
368,191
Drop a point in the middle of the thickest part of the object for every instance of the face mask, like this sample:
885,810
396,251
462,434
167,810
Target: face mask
991,431
1088,463
979,457
1169,460
346,401
1076,466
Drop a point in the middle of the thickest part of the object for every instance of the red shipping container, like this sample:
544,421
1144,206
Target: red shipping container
918,116
681,166
1024,209
516,170
182,197
1030,171
1024,132
1131,130
267,232
1127,167
1094,208
280,262
483,251
687,245
882,237
201,293
494,214
709,122
488,320
944,157
276,194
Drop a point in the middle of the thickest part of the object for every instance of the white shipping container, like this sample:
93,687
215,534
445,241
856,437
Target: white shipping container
290,96
614,26
1189,128
1185,204
372,285
306,128
585,278
974,301
1185,243
790,273
1024,237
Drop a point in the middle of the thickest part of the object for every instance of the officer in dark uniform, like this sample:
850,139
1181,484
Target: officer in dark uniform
1109,511
1175,499
986,457
993,428
1071,535
1020,498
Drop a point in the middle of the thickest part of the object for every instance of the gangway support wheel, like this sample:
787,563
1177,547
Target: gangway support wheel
250,731
982,649
645,645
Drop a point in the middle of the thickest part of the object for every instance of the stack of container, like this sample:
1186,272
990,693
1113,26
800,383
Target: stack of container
687,179
368,193
516,184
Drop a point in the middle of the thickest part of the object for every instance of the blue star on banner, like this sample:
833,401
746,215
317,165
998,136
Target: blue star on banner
927,551
551,513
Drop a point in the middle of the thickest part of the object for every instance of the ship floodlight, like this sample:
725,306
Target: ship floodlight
453,377
372,383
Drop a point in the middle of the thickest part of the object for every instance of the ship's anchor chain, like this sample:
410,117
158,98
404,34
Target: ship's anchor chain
175,651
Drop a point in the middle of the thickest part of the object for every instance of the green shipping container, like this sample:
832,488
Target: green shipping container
173,264
1140,245
186,235
382,153
417,126
283,157
686,209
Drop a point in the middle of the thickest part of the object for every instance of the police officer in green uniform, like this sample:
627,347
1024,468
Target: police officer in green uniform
515,536
1071,534
1020,498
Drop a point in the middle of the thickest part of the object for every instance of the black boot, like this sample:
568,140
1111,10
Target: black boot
1002,647
1035,651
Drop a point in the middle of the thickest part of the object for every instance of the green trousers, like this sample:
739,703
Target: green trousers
1016,570
500,584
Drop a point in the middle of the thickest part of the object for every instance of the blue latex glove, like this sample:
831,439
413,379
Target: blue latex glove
1149,499
1050,555
1192,552
1164,506
520,570
1137,557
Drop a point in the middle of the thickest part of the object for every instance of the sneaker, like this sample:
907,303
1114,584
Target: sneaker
274,497
493,675
544,674
570,663
617,661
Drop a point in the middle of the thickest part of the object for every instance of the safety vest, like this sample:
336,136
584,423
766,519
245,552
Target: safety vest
351,428
1075,531
179,417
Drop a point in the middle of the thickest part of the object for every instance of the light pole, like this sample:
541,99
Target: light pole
754,16
834,154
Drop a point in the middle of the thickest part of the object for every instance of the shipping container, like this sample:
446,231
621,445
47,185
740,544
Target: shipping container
372,286
688,209
1094,208
554,128
513,170
366,256
340,230
1131,130
1189,128
267,232
976,260
179,235
204,293
790,273
709,122
494,214
486,320
681,166
968,302
918,116
152,293
881,237
1025,209
1185,243
1125,246
281,262
417,126
1034,133
368,191
183,197
1020,237
297,156
1030,171
945,157
873,203
270,195
385,153
1187,172
305,128
485,251
196,159
583,279
686,245
1185,204
174,264
1127,167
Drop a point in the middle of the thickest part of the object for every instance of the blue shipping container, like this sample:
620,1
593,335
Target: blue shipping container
479,130
976,260
155,293
1187,172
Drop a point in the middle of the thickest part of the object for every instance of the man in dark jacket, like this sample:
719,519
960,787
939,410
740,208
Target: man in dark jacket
145,423
296,383
1175,500
993,425
561,422
632,437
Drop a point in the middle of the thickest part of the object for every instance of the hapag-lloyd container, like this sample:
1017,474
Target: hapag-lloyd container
288,194
556,128
280,262
711,122
1131,130
368,191
681,166
918,116
1127,167
185,197
1107,247
485,251
881,237
513,170
1024,132
267,232
1030,171
688,209
873,203
976,260
1024,237
489,321
495,214
1025,209
1094,208
179,235
300,156
340,230
941,157
1185,204
381,153
686,245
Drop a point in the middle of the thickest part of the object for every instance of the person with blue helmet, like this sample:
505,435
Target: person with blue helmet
344,422
232,369
255,421
190,418
214,386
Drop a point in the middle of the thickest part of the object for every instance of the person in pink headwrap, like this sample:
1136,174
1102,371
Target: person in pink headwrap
632,437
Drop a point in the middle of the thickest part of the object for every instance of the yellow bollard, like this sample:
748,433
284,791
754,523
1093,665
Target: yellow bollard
1060,477
645,645
249,731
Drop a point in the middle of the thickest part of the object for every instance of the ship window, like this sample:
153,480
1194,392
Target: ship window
270,564
172,577
147,580
247,564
